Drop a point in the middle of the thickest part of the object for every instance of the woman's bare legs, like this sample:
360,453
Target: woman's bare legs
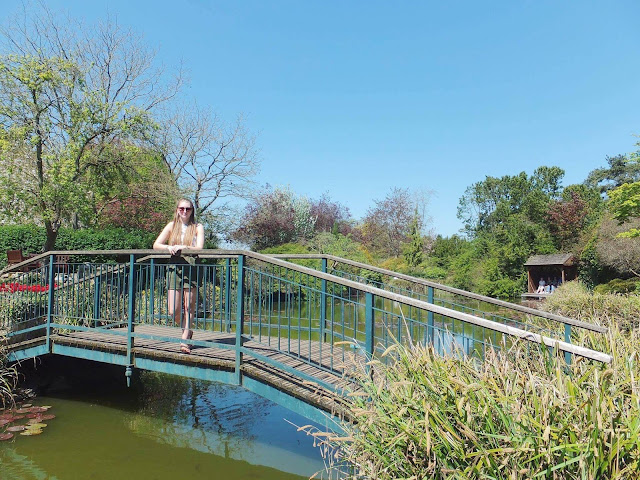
175,300
175,305
189,304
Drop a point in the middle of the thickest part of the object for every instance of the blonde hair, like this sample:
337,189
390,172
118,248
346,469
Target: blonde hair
175,237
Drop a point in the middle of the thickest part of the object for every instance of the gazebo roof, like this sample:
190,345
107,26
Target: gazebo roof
564,259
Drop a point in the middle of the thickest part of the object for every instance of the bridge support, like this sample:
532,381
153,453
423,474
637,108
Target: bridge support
128,373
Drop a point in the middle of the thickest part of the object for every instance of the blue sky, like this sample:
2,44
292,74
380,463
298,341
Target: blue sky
353,98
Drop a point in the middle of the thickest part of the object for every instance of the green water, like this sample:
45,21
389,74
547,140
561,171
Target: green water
164,428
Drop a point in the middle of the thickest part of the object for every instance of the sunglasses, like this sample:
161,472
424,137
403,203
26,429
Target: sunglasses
185,209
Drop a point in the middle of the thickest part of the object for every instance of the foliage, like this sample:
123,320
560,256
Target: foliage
591,269
622,169
104,239
274,217
624,204
509,417
574,300
71,99
567,219
487,204
387,226
620,254
413,251
29,238
292,249
330,216
8,377
338,245
618,285
141,197
133,213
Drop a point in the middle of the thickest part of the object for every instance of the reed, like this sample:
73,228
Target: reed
520,414
8,377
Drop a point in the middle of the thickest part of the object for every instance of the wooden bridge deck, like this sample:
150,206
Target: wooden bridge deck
312,358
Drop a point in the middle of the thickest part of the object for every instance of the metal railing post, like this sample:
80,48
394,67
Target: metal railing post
130,315
430,315
97,286
323,302
152,288
51,280
369,324
567,338
239,319
227,295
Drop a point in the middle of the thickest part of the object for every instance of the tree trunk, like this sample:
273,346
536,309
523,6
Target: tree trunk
52,234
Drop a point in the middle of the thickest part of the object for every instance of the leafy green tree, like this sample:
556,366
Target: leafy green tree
624,204
414,250
622,169
489,203
617,252
67,94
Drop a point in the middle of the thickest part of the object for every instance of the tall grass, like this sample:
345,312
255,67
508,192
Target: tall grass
8,377
520,414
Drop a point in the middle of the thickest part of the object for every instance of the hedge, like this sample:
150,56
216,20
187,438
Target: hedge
31,239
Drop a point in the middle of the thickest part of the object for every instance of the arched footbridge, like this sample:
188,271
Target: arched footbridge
288,328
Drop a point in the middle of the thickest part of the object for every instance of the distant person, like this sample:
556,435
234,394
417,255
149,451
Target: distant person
541,285
179,235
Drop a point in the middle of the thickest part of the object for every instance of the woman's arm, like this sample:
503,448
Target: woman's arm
161,242
200,239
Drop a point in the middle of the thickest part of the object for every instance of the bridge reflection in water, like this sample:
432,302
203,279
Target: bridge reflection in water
286,331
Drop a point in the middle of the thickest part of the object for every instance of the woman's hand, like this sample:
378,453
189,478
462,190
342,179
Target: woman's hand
175,249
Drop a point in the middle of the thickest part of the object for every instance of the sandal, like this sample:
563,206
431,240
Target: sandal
186,348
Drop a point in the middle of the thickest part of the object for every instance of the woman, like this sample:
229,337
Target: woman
179,235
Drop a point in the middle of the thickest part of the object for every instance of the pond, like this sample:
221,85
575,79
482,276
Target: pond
163,427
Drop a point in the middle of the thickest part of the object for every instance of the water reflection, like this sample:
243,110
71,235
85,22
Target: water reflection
227,421
163,428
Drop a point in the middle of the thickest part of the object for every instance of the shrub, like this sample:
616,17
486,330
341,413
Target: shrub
619,285
31,239
574,300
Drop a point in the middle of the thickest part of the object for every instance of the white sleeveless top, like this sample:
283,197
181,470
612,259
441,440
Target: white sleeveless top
182,233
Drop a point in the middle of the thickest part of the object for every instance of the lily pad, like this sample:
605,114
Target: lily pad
48,416
16,428
38,409
5,436
4,421
36,425
22,410
32,415
18,417
29,432
27,405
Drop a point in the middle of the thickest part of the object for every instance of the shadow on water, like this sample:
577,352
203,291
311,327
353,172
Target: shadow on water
162,427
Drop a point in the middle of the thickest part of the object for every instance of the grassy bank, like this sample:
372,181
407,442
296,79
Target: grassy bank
520,414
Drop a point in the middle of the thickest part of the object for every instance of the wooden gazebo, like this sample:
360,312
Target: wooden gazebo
561,266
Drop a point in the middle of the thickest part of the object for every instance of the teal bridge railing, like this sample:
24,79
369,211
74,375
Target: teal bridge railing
286,316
